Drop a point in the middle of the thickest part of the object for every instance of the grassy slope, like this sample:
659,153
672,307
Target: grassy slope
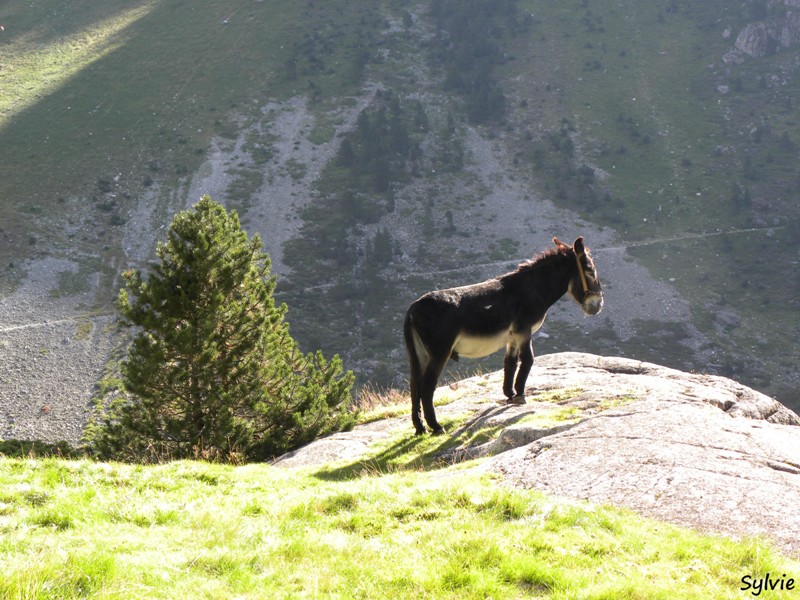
131,91
392,525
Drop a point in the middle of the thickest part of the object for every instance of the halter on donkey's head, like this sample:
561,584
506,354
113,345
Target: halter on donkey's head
592,302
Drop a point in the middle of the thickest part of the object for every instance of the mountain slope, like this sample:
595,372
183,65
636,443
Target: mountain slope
382,150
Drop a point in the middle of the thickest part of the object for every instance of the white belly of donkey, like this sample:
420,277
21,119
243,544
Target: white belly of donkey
473,346
476,346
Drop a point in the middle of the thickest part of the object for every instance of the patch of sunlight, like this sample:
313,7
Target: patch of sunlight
31,70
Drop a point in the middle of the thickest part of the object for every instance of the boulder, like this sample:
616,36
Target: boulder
767,37
696,450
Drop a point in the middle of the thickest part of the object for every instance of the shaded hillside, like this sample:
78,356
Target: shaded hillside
382,150
665,128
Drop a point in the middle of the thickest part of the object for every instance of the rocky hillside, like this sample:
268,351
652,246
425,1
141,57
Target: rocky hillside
385,149
697,450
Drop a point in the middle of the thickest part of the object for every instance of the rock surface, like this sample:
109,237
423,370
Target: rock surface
767,37
696,450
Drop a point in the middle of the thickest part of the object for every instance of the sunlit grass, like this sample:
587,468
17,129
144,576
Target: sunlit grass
83,529
32,69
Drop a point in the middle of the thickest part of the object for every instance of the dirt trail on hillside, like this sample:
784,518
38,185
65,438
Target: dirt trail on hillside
503,208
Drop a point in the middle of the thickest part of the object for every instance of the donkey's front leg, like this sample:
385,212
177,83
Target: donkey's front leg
525,364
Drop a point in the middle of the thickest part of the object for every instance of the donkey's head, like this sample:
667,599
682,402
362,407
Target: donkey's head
584,285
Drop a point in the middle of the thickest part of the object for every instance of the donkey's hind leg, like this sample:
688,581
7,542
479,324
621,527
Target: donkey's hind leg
427,386
509,369
418,361
416,408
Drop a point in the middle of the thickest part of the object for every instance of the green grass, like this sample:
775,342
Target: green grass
75,529
637,103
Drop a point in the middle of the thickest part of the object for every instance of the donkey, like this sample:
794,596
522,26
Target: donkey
477,320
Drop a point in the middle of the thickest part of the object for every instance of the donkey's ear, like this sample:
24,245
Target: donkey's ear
578,246
561,245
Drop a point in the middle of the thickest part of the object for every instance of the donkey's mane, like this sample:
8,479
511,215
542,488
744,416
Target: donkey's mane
539,260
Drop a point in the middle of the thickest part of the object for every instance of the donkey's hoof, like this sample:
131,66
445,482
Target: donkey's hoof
518,399
420,431
438,431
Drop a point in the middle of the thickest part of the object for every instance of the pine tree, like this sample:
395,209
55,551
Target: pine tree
212,371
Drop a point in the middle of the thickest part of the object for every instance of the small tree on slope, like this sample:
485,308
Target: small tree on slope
212,371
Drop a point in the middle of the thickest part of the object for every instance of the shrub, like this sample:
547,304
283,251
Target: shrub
212,371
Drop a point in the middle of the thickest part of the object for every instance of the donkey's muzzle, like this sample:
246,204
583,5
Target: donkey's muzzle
592,303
